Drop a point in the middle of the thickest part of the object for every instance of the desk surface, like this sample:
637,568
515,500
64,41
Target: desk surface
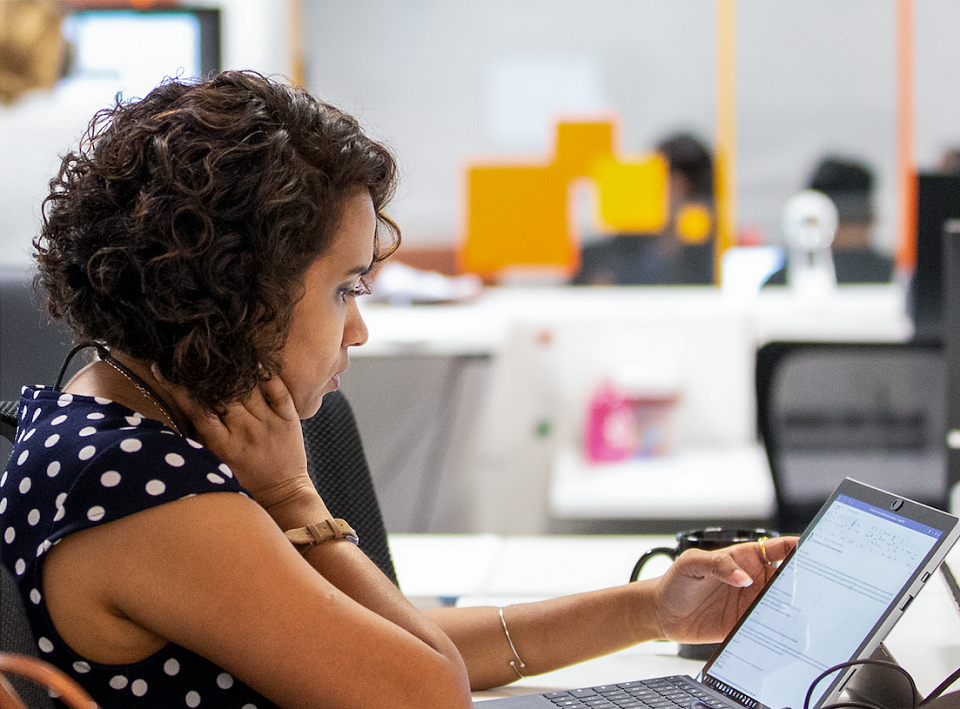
483,326
494,570
730,482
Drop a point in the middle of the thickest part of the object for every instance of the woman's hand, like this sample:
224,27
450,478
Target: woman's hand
703,594
262,442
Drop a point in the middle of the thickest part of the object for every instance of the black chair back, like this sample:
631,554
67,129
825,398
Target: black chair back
873,412
32,348
339,469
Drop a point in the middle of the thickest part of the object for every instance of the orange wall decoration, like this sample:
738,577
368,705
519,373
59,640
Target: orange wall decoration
518,212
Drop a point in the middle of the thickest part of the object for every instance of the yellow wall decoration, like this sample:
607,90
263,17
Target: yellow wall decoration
518,213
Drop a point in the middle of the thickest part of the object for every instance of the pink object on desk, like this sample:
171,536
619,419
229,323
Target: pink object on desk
621,425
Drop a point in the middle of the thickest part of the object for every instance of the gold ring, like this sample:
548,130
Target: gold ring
763,552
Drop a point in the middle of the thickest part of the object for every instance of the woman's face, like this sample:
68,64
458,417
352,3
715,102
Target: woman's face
326,320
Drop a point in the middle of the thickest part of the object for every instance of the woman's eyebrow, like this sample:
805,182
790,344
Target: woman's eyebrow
362,270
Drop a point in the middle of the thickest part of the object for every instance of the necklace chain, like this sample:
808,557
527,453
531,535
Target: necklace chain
150,396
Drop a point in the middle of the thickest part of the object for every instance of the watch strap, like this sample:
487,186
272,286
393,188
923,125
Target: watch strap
326,530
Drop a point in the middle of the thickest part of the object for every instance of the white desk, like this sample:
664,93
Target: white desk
483,326
546,346
493,570
731,482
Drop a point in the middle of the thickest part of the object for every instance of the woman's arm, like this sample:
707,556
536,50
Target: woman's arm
214,574
699,599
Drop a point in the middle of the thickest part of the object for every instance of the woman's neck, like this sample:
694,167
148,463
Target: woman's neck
131,382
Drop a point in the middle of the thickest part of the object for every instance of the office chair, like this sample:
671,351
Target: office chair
874,412
41,674
32,348
338,467
16,638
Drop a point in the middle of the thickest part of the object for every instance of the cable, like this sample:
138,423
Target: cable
860,705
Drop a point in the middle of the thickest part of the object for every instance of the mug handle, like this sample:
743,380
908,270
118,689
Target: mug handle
647,555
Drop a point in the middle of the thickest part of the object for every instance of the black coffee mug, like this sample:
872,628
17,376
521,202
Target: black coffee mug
708,539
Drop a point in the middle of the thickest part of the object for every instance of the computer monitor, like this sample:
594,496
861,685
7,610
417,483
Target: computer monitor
938,200
138,48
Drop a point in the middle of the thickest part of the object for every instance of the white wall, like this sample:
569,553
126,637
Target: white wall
812,76
443,80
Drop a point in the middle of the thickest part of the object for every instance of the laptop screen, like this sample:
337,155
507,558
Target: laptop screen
826,602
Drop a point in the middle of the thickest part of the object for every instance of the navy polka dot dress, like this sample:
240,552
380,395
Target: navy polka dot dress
79,462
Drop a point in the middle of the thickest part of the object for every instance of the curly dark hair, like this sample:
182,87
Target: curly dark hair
180,230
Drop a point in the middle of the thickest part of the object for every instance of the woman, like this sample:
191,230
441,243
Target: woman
212,238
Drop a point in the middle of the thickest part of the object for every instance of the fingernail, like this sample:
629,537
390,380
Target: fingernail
742,579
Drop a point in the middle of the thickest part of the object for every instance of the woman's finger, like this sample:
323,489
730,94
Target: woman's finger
205,421
727,570
277,396
779,548
696,563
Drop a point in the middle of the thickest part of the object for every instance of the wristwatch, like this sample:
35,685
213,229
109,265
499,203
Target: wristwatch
326,530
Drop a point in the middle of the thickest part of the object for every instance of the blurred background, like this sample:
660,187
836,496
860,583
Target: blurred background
853,98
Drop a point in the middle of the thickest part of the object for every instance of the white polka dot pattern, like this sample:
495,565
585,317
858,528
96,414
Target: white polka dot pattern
131,445
155,488
95,513
77,446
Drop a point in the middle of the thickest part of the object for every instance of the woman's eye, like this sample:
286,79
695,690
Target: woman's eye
362,288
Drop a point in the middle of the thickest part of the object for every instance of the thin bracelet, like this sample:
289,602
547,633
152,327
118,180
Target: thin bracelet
518,661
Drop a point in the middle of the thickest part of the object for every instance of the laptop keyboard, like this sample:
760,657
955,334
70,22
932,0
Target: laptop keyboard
678,692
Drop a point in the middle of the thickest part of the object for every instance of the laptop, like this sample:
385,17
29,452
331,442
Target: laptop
855,569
